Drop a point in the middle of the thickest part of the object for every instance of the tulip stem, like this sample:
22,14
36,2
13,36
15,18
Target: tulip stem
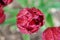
26,37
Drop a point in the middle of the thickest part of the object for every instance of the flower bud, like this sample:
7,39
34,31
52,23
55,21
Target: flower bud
29,20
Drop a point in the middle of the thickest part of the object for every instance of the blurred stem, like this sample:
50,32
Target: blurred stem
26,37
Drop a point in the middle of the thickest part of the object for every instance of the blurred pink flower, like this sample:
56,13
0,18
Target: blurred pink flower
2,16
29,20
52,33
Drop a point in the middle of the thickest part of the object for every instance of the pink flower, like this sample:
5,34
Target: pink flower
51,33
29,20
2,16
5,2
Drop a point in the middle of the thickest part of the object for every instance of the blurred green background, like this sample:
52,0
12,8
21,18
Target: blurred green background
50,8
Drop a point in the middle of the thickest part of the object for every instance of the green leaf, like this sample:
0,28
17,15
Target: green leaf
10,21
49,20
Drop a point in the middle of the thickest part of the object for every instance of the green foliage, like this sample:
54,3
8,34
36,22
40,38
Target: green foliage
23,3
26,37
10,21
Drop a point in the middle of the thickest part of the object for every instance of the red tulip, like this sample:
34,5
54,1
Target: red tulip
51,34
5,2
29,20
2,16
